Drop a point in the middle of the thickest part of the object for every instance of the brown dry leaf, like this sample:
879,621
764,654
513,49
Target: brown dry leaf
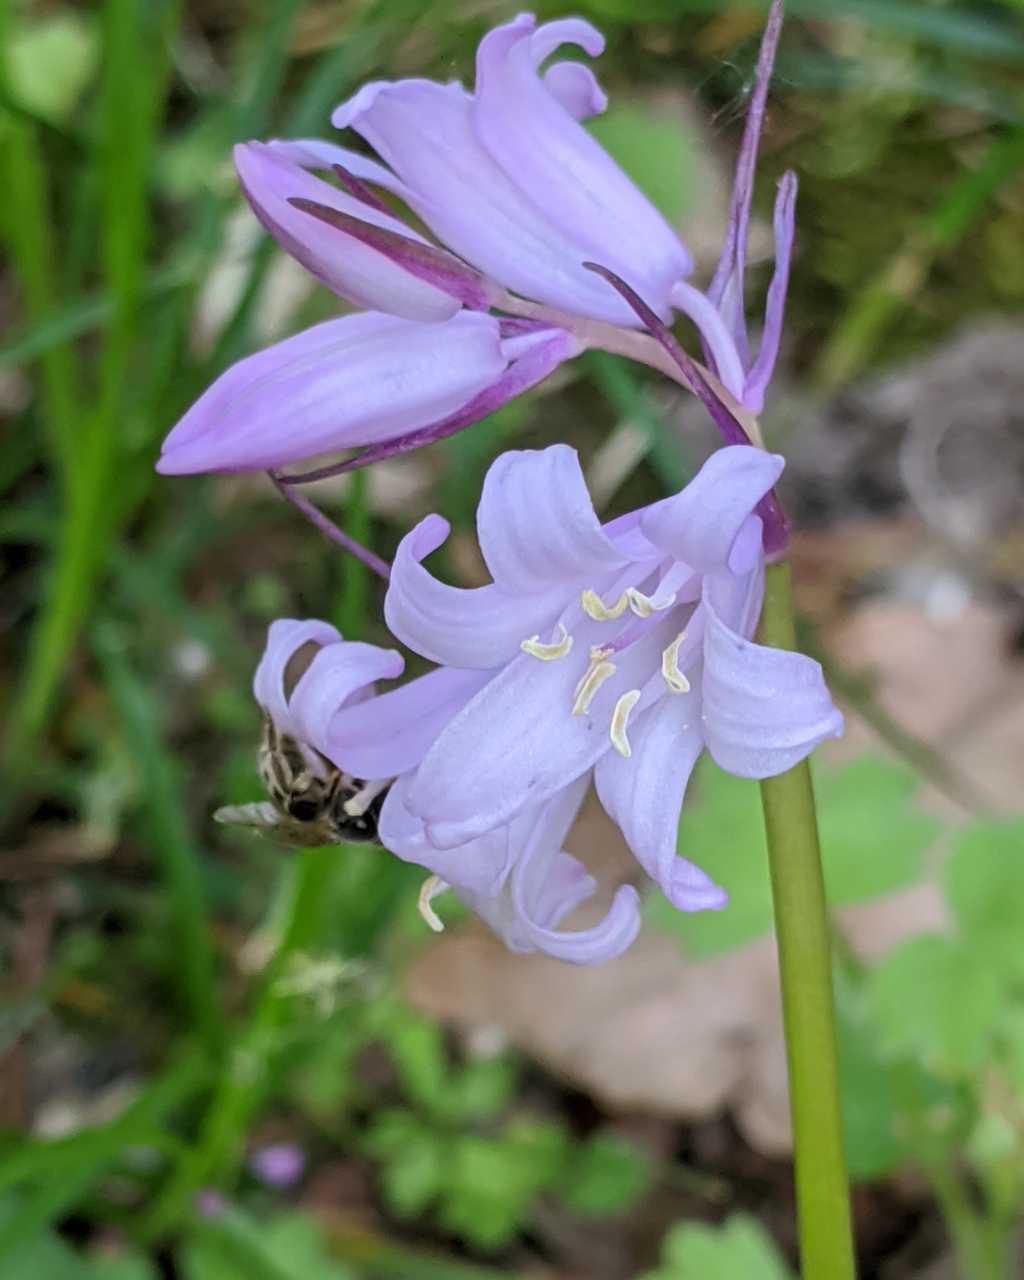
651,1031
952,682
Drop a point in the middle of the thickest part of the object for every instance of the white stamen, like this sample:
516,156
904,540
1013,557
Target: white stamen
673,677
620,719
361,801
429,890
594,607
594,677
643,606
548,652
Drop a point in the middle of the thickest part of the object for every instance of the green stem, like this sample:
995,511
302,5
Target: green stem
802,932
258,1043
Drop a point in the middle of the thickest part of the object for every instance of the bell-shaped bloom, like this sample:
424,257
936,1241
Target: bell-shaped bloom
622,649
509,179
615,653
352,382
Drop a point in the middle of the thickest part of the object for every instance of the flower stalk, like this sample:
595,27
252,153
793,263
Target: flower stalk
802,934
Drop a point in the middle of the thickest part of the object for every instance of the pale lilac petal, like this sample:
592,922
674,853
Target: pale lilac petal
785,226
284,639
477,868
576,88
536,523
390,734
534,355
479,627
336,674
545,885
517,743
644,795
573,84
352,269
718,342
424,132
315,153
344,383
565,171
764,709
700,525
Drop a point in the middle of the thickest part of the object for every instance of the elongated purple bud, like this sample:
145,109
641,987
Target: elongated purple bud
542,356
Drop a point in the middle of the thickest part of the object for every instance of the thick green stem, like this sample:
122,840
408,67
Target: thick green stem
802,932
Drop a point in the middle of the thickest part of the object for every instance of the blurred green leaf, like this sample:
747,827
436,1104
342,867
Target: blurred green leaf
417,1046
657,151
484,1087
285,1246
872,840
984,881
123,1266
45,1256
605,1175
740,1249
721,829
50,61
414,1174
934,997
493,1181
871,834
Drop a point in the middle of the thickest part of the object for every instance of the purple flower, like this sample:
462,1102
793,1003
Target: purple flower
509,179
280,1165
615,652
352,381
523,197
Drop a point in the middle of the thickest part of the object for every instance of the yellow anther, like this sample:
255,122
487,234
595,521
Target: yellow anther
429,890
594,677
594,607
548,652
674,678
620,719
643,606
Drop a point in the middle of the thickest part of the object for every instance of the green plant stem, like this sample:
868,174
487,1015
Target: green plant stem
981,1242
258,1047
802,933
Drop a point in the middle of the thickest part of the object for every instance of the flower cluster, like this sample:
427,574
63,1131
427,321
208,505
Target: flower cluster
606,654
613,652
524,201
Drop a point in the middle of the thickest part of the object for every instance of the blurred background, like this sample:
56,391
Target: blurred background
222,1059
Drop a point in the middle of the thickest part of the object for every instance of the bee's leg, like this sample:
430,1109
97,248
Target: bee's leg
358,804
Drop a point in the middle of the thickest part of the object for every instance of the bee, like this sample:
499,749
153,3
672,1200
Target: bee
312,802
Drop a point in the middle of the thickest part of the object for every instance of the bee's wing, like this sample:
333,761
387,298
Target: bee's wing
262,814
265,818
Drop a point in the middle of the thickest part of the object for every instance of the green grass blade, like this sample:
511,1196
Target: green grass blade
133,82
28,231
860,329
169,836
